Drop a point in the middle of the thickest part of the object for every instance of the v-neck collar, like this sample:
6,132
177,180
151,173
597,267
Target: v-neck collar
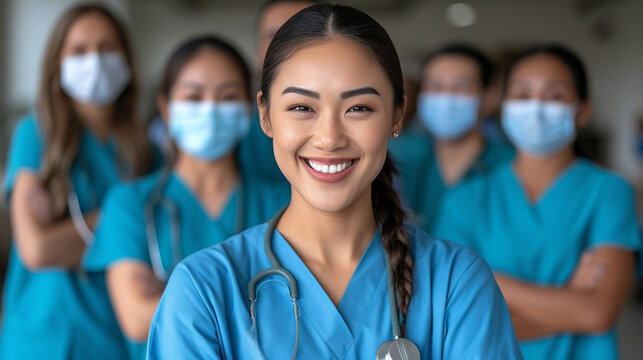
336,325
479,165
188,195
551,188
89,143
108,143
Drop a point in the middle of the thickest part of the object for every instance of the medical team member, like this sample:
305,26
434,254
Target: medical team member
84,137
455,97
331,97
255,152
558,231
202,200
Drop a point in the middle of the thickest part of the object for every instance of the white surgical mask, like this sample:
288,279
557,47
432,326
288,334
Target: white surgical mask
208,130
95,78
540,128
448,116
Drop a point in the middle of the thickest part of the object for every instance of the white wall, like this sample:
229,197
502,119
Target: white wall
3,50
616,65
29,23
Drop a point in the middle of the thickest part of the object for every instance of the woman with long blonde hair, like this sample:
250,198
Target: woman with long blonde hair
83,139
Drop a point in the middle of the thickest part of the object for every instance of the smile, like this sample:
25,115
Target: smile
328,168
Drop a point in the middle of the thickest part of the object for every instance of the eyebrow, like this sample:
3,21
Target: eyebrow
458,79
556,83
343,95
199,85
297,90
360,91
190,84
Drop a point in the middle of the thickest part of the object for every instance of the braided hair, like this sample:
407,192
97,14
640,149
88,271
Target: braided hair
323,21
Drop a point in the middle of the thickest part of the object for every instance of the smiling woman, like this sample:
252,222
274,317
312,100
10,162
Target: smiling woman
331,97
320,122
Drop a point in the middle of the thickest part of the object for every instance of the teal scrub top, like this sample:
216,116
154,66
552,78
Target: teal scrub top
541,242
121,231
256,156
58,313
457,310
420,183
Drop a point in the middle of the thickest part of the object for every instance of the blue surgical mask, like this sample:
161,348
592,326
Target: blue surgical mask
208,130
448,116
540,128
95,78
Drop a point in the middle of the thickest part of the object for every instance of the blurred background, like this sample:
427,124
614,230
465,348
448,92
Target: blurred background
607,34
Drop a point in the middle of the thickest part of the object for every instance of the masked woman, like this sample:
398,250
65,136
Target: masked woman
559,232
200,199
84,138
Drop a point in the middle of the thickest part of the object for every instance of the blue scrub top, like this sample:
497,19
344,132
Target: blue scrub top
256,156
542,242
57,313
420,182
457,310
121,231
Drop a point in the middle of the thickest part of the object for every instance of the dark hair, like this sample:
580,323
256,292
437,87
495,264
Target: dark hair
324,21
485,66
186,51
567,57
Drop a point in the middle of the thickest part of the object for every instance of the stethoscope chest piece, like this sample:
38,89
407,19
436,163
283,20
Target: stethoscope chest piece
398,349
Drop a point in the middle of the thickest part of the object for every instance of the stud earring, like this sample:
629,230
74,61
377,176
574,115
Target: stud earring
396,134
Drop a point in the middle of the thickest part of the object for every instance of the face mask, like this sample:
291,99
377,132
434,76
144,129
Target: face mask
95,78
208,130
540,128
448,116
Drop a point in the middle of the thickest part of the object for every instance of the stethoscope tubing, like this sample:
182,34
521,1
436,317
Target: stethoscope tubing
157,198
277,269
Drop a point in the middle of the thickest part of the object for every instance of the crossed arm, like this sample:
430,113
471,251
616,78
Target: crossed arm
589,303
135,293
41,242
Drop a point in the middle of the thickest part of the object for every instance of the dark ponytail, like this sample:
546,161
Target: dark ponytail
326,21
389,213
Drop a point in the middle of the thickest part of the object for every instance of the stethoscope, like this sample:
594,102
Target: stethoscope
397,349
75,213
156,199
78,220
73,204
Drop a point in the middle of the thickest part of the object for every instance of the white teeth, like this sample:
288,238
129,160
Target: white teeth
329,169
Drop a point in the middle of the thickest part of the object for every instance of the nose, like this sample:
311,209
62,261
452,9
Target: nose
330,133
